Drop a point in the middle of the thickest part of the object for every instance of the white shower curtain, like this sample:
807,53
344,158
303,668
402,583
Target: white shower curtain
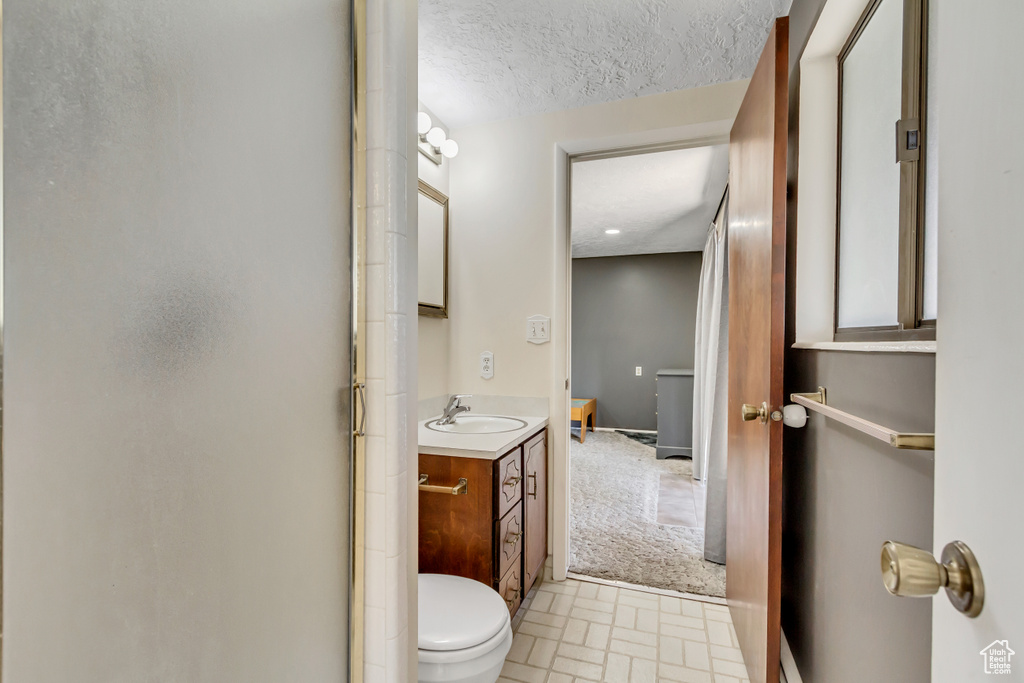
711,384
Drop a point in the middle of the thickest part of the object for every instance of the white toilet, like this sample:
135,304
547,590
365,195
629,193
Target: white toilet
465,630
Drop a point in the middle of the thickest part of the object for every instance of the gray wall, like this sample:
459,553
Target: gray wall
845,494
629,311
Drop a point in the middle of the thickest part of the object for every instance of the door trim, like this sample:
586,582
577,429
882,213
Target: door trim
559,487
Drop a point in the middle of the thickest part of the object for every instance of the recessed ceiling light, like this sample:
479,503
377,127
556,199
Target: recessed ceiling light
611,232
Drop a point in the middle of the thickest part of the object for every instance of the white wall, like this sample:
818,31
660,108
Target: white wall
508,243
434,332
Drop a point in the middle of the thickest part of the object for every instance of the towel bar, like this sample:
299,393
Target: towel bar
460,489
816,401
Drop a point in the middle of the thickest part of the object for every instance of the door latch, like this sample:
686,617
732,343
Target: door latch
908,140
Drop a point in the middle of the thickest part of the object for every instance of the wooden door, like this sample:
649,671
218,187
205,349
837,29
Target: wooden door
979,472
536,510
757,270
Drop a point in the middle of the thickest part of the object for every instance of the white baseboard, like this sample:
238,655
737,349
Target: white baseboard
790,674
623,429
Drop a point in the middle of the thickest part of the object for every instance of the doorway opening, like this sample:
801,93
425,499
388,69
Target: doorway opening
641,223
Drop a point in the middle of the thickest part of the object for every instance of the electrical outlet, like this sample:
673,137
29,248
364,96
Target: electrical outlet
487,365
639,371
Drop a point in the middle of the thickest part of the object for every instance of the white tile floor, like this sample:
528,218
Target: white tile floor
581,632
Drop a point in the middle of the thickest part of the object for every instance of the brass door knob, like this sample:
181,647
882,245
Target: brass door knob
751,412
911,572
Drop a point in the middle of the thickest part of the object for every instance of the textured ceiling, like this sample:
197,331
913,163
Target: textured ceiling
661,202
483,60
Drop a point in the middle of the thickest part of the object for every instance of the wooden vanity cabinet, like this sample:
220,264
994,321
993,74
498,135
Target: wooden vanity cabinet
497,532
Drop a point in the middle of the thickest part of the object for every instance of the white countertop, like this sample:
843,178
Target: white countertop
483,446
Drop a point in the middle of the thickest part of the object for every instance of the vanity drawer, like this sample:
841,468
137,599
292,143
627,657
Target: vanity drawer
508,539
509,485
511,588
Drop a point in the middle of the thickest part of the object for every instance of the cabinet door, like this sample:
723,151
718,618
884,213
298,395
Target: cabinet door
456,532
508,539
509,483
511,589
536,509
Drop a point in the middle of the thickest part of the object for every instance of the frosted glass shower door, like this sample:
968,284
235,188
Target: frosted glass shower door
177,340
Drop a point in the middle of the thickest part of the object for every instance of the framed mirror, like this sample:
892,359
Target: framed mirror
433,252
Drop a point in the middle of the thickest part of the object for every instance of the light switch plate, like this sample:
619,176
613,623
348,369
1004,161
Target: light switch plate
538,329
487,365
639,371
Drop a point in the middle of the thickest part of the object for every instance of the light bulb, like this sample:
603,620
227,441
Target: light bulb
436,136
611,232
423,123
449,148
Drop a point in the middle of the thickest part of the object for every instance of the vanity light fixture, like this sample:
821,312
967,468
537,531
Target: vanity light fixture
435,136
423,123
434,143
612,232
449,148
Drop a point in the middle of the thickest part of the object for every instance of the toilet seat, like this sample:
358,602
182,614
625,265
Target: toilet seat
469,653
456,613
464,630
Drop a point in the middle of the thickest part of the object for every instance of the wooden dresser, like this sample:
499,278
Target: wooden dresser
496,532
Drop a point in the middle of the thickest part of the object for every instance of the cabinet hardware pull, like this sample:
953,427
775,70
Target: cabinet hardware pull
460,489
514,536
513,481
533,493
515,596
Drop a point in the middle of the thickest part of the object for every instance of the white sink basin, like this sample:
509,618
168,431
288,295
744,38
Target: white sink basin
478,424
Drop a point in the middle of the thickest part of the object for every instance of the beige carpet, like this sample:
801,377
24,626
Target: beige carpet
614,531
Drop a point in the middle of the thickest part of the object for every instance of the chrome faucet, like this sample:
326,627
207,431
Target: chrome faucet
453,409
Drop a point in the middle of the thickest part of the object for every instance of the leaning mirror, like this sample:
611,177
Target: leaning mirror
433,252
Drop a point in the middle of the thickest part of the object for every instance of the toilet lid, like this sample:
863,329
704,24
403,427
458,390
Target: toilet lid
456,613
